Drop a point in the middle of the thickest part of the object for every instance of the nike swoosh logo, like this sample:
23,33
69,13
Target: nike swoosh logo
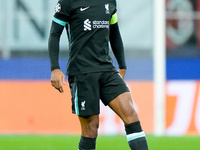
83,9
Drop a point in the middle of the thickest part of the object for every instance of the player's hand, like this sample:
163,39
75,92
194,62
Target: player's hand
122,72
57,80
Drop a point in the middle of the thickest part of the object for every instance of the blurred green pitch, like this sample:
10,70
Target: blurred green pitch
70,142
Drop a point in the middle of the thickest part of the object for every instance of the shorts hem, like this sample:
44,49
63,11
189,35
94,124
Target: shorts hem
114,96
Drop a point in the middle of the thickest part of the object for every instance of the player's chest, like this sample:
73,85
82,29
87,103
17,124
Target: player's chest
93,10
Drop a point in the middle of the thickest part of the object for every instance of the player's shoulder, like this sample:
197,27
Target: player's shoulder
63,6
64,2
111,1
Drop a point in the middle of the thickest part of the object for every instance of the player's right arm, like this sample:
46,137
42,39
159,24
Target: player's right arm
57,26
57,76
53,44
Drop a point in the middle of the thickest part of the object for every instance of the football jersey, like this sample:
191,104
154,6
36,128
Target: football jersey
87,23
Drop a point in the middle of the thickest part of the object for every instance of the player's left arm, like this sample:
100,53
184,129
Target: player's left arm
117,45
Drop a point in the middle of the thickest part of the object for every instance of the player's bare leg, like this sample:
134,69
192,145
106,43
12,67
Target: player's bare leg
89,132
123,107
89,126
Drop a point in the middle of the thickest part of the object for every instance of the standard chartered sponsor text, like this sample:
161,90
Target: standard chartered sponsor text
100,24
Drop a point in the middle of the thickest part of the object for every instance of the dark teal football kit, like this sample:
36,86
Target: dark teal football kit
90,26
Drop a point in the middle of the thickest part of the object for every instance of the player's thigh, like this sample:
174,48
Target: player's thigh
122,105
112,85
88,121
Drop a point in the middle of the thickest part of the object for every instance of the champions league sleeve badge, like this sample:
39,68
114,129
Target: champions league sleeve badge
58,8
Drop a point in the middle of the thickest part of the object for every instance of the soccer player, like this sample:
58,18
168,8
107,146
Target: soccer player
90,26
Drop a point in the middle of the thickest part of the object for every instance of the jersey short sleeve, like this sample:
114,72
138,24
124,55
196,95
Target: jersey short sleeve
62,12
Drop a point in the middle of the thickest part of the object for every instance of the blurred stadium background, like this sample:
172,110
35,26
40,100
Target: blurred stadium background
28,103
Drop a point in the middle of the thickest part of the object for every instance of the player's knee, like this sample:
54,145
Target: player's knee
91,132
93,127
90,127
131,116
